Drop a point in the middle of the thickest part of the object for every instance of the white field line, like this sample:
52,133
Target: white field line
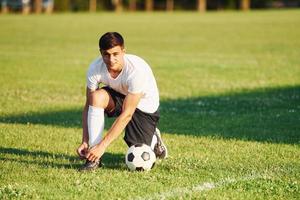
206,186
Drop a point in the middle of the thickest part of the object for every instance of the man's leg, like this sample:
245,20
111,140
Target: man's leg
99,101
95,123
143,129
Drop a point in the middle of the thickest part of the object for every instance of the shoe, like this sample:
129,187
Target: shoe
90,165
160,149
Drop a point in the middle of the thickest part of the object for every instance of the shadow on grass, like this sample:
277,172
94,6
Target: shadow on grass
264,115
53,160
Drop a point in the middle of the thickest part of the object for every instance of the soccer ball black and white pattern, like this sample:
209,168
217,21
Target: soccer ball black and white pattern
140,157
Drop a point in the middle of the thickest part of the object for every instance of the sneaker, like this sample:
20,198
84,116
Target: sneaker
160,149
90,165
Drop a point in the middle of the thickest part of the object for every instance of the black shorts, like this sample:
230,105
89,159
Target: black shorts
141,127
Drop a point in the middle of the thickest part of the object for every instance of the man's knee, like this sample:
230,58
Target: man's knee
99,98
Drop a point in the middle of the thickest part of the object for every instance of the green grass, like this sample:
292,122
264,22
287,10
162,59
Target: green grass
230,102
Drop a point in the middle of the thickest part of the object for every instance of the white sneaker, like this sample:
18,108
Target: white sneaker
160,149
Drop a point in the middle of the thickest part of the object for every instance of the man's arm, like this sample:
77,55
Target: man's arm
129,105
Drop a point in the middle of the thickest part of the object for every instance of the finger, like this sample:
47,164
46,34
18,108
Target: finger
96,157
87,154
93,159
90,157
78,152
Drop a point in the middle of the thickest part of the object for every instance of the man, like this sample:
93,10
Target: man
122,86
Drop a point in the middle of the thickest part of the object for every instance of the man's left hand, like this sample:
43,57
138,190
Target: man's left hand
95,153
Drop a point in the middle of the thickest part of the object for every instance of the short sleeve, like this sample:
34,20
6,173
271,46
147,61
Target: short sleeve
92,79
136,82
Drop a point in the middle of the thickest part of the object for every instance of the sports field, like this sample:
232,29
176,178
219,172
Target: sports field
230,105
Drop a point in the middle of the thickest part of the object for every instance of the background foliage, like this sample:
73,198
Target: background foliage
77,5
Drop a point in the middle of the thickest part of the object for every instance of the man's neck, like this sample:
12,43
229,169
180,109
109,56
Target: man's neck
115,73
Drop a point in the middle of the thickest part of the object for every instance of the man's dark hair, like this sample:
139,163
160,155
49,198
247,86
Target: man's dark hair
110,40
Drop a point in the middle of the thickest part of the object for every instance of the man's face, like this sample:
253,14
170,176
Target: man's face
114,58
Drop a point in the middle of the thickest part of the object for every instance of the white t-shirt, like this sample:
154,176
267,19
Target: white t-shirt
135,77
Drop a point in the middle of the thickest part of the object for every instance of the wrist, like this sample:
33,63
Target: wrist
104,143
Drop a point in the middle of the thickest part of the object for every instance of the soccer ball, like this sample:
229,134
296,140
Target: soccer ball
140,157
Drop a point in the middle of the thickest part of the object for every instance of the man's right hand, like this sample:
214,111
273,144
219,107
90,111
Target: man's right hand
82,150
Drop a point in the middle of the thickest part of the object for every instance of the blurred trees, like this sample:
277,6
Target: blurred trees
147,5
26,6
169,5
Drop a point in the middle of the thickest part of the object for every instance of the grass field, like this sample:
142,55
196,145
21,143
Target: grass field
230,105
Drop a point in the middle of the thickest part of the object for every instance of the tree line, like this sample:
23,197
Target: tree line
48,6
